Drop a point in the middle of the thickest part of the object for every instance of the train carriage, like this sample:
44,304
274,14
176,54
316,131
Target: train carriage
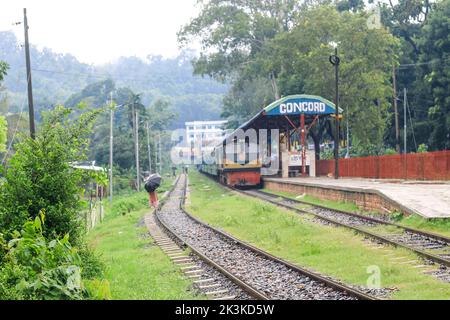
236,169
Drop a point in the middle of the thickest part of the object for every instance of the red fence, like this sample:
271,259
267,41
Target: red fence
415,166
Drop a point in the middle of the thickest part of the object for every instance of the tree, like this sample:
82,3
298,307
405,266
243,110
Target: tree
350,5
292,58
61,79
233,31
3,133
95,94
160,115
3,68
40,177
300,59
245,99
405,20
435,56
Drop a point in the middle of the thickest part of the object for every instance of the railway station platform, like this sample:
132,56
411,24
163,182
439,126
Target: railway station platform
430,199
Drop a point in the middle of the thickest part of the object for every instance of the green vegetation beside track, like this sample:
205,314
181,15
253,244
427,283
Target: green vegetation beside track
339,205
438,226
135,267
329,250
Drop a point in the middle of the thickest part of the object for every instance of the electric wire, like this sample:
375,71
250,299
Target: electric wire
8,150
411,122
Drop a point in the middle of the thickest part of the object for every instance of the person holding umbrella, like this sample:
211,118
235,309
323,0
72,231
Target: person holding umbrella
174,171
152,182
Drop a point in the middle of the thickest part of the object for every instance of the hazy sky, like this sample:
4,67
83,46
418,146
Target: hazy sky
98,31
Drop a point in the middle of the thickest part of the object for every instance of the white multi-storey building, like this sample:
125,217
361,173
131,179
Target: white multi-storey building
200,139
202,132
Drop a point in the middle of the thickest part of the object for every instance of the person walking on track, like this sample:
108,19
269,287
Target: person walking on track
152,182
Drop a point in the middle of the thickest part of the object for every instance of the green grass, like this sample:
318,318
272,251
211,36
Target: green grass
339,205
135,267
333,251
384,230
132,201
438,226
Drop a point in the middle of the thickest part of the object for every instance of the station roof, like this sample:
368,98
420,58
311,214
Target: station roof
274,115
285,112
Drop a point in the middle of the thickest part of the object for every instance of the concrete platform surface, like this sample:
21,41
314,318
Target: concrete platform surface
426,198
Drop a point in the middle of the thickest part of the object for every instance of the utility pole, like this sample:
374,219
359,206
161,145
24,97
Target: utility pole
397,131
111,124
156,154
273,81
347,155
30,87
137,149
160,160
404,120
335,60
148,149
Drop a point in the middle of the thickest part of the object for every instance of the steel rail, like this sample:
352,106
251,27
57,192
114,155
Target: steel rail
363,217
246,287
373,235
315,276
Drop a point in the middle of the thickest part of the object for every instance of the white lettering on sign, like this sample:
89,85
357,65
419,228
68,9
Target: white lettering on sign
293,107
296,160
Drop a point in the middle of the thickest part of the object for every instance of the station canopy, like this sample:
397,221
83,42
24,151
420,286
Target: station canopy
286,112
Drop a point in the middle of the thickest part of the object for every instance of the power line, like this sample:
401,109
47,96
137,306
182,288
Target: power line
105,75
411,122
405,66
15,129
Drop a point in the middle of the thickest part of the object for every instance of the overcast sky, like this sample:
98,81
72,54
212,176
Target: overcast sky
99,31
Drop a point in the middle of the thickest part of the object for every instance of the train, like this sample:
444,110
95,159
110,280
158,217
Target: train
237,169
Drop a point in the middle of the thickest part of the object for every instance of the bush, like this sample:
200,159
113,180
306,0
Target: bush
92,265
40,176
422,148
33,267
390,151
123,205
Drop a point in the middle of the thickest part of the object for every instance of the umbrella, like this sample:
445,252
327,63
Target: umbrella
152,182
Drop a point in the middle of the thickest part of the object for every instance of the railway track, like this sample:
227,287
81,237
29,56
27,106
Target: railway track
432,247
258,273
209,281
